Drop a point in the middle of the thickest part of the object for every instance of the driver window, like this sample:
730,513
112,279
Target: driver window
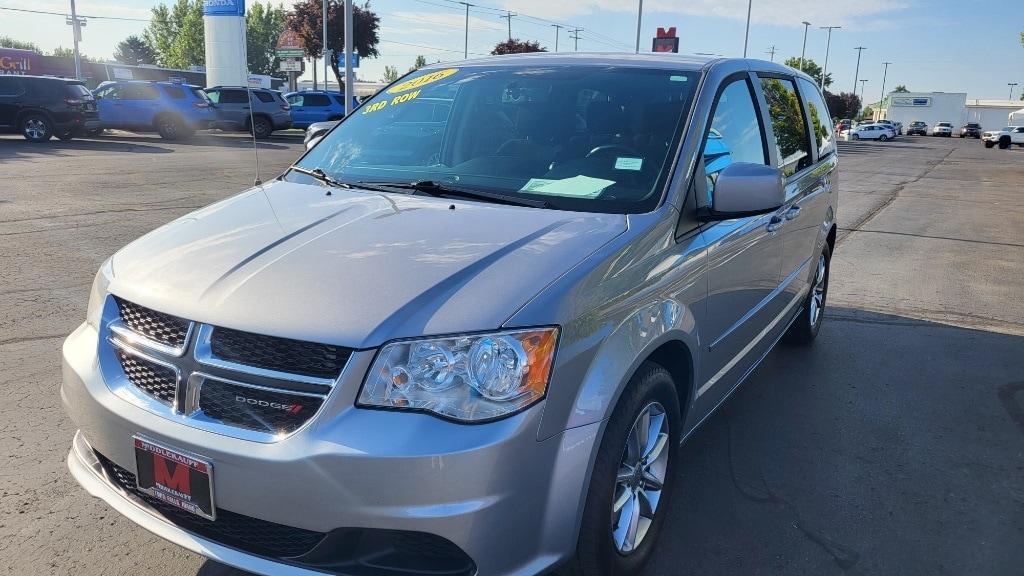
735,134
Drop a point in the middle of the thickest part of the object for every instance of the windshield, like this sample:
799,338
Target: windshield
77,90
588,138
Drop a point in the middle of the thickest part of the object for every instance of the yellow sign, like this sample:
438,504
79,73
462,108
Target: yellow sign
381,104
422,80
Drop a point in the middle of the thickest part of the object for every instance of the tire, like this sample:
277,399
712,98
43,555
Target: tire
94,132
601,550
171,127
989,144
261,128
805,328
854,137
883,138
36,127
1004,143
65,136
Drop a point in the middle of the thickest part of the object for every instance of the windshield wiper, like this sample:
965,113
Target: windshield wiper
321,176
439,190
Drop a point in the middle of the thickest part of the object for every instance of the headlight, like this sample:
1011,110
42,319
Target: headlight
470,378
99,293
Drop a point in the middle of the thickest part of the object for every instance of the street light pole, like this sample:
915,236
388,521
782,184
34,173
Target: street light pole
746,35
856,73
828,45
349,51
772,52
884,74
325,44
639,19
465,49
558,28
803,50
862,83
1011,85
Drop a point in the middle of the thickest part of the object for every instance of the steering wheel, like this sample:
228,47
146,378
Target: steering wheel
605,148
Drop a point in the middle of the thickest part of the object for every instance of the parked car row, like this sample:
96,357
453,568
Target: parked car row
42,107
888,129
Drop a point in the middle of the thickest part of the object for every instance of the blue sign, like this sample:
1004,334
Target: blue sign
355,60
223,7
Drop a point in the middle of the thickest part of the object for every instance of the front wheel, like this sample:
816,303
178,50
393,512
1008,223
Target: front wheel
854,137
805,328
632,481
36,128
989,144
883,138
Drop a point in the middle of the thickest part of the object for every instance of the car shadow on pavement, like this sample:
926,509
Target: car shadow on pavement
11,148
215,139
890,443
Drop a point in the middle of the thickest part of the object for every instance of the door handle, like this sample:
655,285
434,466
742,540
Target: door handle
774,224
792,213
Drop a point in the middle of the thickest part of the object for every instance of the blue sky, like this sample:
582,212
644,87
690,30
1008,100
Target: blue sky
968,46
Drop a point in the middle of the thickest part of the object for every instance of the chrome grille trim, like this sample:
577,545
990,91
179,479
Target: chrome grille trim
195,366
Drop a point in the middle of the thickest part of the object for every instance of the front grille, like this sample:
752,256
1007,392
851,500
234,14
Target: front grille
270,411
280,354
156,326
154,379
231,529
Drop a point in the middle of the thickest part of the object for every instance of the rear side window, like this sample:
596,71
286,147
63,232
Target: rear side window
233,97
315,100
138,92
735,134
788,124
265,97
175,92
820,123
11,86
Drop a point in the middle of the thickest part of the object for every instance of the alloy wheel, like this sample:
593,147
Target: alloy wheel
641,478
35,128
818,296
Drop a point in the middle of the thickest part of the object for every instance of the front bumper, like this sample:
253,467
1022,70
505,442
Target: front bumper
509,502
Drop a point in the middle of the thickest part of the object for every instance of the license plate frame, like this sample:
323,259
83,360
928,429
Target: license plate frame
187,485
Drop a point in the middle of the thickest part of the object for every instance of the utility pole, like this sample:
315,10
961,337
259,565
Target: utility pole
76,30
828,45
803,50
1011,85
884,74
465,49
863,81
746,35
639,19
558,28
856,73
772,52
508,16
349,51
575,35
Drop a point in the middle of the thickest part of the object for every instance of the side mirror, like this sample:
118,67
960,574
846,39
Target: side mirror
746,189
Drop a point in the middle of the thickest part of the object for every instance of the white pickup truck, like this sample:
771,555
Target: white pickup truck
1005,137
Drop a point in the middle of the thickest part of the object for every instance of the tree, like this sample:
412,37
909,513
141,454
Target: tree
900,88
306,19
390,74
176,34
842,105
8,42
810,68
868,113
419,63
62,52
517,46
263,25
134,50
787,118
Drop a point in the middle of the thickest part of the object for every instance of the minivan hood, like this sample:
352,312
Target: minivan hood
354,268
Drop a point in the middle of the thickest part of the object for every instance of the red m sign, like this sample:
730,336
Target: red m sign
177,480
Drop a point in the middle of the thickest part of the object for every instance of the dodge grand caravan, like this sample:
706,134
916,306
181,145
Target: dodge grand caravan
468,345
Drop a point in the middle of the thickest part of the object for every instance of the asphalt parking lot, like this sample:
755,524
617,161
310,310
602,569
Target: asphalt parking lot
895,445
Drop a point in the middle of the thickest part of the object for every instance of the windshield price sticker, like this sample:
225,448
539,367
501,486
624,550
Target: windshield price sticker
422,80
400,99
627,163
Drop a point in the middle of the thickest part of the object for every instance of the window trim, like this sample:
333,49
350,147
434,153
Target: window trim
811,149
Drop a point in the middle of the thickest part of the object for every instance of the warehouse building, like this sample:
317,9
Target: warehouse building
954,107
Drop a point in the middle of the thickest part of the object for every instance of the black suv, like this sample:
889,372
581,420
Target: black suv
917,127
40,107
261,111
971,129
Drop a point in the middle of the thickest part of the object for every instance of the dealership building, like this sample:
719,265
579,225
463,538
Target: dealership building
954,107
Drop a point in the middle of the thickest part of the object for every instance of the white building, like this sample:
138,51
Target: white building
954,107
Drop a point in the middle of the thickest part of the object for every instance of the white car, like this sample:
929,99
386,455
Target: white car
942,129
869,132
896,127
1005,138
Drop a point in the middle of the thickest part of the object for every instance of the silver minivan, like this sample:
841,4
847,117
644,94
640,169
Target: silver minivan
464,343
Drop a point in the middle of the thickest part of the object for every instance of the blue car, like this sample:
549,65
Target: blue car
173,110
311,106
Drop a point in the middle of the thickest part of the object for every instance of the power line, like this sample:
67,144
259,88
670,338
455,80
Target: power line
79,15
